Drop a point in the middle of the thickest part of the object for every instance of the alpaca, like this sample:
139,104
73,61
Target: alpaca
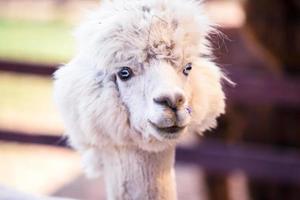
141,79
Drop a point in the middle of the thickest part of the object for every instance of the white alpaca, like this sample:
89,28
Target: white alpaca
141,79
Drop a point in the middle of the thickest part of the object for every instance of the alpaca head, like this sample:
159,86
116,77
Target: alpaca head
141,77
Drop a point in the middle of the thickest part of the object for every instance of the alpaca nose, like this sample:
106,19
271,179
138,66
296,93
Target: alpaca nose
172,101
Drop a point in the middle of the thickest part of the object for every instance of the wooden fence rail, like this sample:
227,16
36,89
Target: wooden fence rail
250,89
28,68
262,163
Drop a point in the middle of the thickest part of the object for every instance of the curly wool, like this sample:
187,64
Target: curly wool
99,111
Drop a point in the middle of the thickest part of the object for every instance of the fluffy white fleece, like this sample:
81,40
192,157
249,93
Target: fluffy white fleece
156,39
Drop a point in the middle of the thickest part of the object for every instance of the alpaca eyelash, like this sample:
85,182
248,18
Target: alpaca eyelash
188,67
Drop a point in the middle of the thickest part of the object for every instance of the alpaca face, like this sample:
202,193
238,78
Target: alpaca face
141,76
157,97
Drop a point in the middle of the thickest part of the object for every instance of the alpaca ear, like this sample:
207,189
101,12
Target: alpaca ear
208,100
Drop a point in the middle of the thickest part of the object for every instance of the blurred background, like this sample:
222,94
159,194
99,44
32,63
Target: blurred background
254,154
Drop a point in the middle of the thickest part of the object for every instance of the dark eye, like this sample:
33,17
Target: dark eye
187,69
125,73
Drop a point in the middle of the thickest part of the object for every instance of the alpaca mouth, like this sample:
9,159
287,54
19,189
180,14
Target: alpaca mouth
172,129
168,131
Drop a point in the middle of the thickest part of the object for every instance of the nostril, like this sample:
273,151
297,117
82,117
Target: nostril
164,101
179,100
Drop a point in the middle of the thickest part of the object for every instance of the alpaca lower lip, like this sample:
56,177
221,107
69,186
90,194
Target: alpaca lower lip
167,130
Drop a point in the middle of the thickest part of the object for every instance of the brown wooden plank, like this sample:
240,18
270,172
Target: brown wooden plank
263,89
257,162
28,68
24,137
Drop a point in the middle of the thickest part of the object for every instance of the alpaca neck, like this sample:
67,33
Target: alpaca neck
133,174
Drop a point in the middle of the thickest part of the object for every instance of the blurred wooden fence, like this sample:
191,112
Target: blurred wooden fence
264,163
254,88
